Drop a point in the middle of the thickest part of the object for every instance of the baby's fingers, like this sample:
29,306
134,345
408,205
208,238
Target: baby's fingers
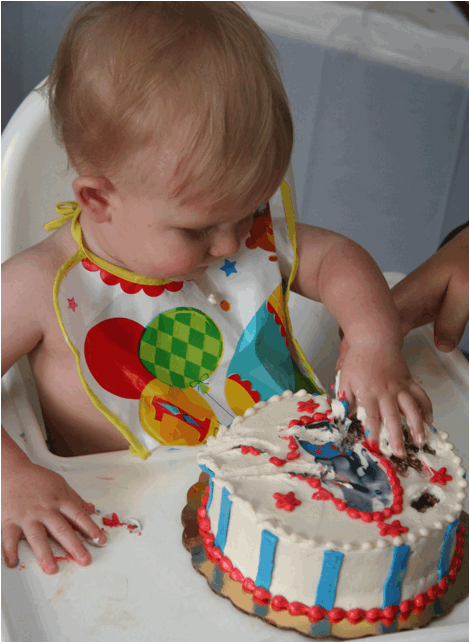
84,523
36,536
409,407
423,401
372,421
11,535
60,526
392,421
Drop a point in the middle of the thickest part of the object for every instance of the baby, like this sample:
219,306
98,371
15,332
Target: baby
157,309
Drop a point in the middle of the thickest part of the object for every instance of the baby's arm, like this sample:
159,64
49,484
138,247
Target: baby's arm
35,501
342,275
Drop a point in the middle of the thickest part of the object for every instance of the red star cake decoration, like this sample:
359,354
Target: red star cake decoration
307,407
286,501
440,477
393,530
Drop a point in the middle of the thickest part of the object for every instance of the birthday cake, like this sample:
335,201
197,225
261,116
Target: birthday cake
311,518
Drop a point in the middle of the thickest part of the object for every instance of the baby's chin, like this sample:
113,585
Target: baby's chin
151,274
188,276
194,274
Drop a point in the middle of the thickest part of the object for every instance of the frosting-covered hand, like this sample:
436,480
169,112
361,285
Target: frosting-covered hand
378,379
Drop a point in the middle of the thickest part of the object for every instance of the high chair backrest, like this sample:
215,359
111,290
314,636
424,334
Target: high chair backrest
34,176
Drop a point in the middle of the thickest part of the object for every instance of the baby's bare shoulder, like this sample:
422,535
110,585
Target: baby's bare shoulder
37,266
28,315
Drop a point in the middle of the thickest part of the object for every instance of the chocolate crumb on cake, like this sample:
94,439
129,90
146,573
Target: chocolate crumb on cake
410,460
355,433
424,502
428,449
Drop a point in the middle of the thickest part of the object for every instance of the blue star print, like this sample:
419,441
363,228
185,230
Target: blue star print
229,267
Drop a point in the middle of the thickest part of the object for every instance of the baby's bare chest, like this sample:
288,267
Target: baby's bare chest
65,404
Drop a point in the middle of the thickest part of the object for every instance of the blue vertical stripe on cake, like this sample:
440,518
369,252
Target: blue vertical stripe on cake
266,559
224,518
449,538
396,574
211,484
326,588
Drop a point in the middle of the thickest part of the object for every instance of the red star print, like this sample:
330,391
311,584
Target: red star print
307,407
393,530
72,304
288,501
440,477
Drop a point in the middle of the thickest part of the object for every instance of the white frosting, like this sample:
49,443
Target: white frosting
317,525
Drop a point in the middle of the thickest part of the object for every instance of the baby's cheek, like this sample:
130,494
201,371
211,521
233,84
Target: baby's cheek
244,228
179,260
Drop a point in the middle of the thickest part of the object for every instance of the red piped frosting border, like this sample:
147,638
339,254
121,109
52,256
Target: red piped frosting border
315,613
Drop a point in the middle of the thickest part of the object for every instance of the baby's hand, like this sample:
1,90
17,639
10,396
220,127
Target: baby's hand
379,380
37,502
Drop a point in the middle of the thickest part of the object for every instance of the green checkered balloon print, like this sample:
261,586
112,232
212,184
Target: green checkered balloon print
181,347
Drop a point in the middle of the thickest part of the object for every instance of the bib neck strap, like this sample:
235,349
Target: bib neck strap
290,221
70,210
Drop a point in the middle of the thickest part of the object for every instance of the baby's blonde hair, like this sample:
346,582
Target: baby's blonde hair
132,78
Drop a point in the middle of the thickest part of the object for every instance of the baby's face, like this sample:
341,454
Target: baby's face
158,239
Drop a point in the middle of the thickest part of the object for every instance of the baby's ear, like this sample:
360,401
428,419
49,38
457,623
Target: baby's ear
95,196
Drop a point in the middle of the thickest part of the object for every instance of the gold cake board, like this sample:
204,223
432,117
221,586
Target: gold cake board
221,583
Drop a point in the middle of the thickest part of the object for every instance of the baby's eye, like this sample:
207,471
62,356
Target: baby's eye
197,233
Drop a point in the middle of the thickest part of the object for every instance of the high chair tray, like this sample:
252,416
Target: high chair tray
141,586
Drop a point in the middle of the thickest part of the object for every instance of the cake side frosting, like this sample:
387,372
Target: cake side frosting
293,495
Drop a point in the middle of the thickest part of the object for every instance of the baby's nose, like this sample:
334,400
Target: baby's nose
225,243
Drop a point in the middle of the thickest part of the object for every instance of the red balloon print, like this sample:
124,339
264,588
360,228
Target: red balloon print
112,355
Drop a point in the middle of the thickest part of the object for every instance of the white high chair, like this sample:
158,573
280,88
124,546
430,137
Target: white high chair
34,180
